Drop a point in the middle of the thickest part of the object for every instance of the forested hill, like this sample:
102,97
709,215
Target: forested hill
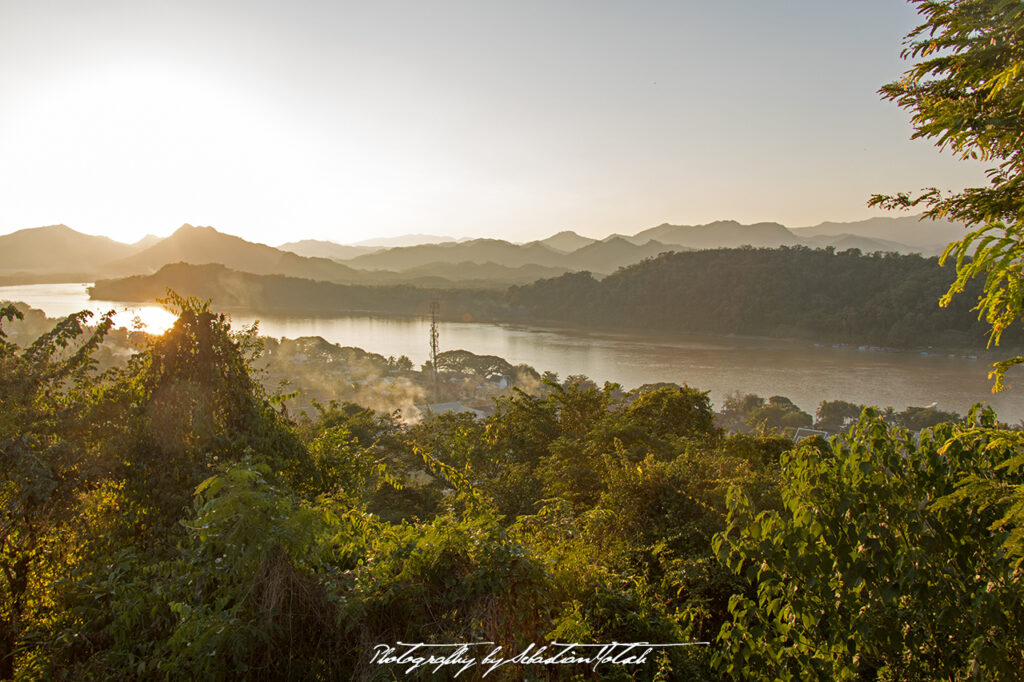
846,297
885,299
281,295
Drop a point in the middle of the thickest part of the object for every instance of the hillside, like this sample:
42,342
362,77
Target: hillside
566,241
886,300
608,256
907,234
925,236
598,256
404,240
889,300
58,253
201,245
317,248
720,234
842,242
278,294
570,251
474,251
490,274
146,242
57,249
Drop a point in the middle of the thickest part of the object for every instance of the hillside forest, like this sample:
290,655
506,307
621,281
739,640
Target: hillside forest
884,299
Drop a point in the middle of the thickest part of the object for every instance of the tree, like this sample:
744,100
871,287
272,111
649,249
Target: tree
46,463
672,410
836,413
737,407
751,412
464,361
917,418
966,92
189,403
868,571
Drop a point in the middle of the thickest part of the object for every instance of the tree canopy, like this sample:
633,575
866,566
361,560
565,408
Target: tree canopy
966,92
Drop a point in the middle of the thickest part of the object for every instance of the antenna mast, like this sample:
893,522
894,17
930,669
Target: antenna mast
435,309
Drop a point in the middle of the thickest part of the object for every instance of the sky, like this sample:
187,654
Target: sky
347,121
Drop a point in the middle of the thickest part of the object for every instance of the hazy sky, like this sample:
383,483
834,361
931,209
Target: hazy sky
514,119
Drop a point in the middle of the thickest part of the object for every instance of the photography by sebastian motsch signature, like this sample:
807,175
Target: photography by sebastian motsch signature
458,657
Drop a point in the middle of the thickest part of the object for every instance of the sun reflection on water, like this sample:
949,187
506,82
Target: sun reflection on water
151,319
62,299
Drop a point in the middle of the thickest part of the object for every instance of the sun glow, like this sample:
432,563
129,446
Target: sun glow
150,319
60,300
149,139
144,147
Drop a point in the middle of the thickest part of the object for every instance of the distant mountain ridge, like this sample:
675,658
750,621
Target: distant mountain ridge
146,242
204,245
721,234
317,248
404,240
56,249
902,235
566,241
926,236
48,253
474,250
608,256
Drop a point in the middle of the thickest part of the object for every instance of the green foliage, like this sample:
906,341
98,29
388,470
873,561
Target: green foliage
753,413
481,365
881,299
965,92
868,571
671,410
341,468
197,532
250,591
836,414
188,404
449,580
917,418
46,448
168,520
993,490
596,592
778,413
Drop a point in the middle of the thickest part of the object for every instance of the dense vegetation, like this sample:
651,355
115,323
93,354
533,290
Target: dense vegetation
884,299
881,299
166,519
966,93
294,296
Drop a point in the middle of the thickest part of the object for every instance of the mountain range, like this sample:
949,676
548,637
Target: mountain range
59,251
58,248
907,234
926,237
575,252
319,248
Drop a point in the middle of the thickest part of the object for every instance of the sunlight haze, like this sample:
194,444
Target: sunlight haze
347,121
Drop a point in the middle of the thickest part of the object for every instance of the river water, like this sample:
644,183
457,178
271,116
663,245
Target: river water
802,371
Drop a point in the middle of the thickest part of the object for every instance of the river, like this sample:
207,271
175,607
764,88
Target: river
805,372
